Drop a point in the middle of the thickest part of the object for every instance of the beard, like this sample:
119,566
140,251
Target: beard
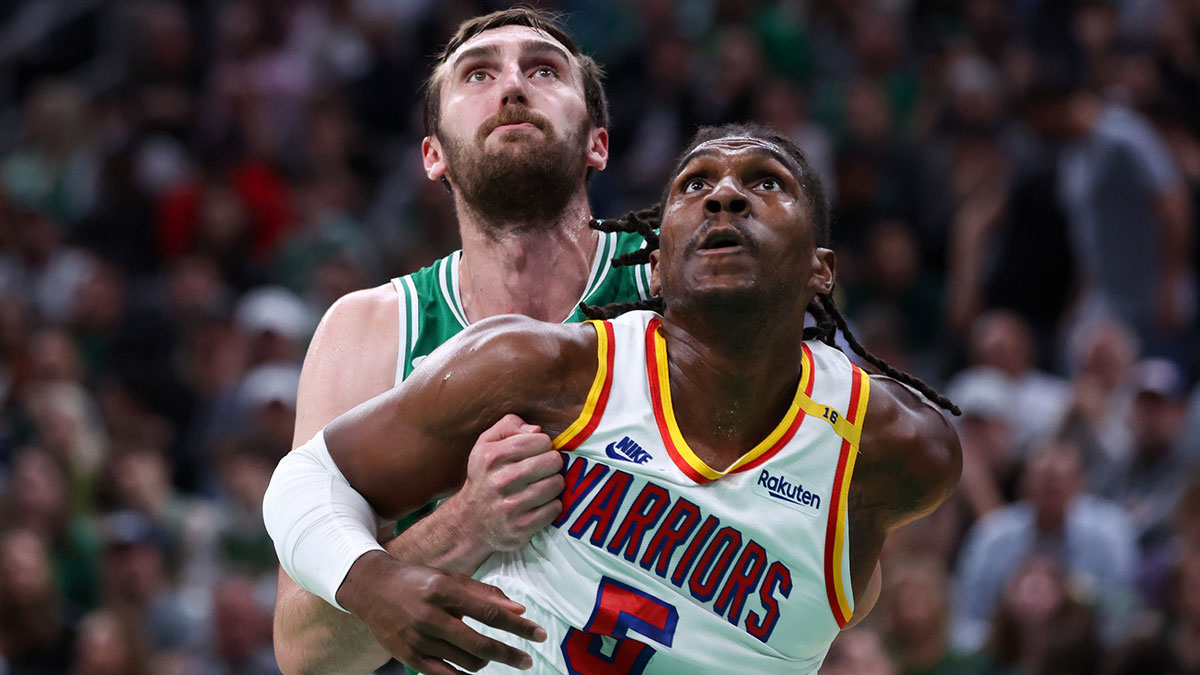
525,183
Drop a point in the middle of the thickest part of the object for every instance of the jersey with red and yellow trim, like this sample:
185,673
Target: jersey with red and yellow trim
660,563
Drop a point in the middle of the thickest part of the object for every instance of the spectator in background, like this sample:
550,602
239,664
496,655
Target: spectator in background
138,478
36,265
1000,342
277,324
1091,539
138,581
1040,627
244,464
1127,209
991,464
110,644
1097,418
916,598
54,170
66,423
38,503
892,278
241,643
1148,481
35,626
267,401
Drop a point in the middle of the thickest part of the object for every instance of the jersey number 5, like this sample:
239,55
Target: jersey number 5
619,609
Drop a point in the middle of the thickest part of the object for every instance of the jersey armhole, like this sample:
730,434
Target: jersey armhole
408,316
837,543
597,398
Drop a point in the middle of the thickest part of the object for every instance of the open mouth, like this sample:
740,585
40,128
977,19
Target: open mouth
721,240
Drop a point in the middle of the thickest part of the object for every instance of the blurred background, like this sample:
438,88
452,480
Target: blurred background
186,186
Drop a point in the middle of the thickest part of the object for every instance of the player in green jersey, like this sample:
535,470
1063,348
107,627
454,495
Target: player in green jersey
516,121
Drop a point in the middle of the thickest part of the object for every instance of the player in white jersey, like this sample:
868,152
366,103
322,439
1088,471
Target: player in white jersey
727,491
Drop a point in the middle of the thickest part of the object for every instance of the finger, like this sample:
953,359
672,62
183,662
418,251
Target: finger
447,652
524,445
463,637
539,466
429,666
540,517
514,478
537,494
509,425
485,606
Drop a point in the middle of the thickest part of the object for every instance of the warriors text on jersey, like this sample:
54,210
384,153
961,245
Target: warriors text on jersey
660,563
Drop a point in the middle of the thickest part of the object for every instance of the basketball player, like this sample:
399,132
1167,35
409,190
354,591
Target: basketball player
726,493
517,119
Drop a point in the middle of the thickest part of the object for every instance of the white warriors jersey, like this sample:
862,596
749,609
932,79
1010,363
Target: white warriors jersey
660,563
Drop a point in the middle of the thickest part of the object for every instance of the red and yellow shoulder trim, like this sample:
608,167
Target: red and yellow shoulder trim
677,448
837,579
597,398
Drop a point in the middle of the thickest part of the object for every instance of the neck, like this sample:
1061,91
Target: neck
733,376
535,269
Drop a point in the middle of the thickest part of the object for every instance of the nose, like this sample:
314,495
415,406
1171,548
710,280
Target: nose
726,196
513,90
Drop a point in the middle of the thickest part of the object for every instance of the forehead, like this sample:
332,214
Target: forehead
739,147
508,37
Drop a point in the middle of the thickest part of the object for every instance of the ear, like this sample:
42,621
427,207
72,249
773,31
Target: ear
824,271
431,154
597,152
655,284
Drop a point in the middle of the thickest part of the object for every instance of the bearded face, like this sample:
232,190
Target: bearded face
518,177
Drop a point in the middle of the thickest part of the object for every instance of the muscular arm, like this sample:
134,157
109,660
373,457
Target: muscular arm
311,635
409,445
352,358
909,462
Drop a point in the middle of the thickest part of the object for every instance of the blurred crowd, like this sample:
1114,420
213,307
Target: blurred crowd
187,185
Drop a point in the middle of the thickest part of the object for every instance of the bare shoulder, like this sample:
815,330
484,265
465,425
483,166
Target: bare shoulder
375,309
352,358
910,447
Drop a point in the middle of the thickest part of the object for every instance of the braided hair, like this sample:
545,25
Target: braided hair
828,319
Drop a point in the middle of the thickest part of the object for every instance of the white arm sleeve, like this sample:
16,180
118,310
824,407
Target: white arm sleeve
320,525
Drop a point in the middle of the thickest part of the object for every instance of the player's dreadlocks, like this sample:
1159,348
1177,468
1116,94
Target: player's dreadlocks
822,308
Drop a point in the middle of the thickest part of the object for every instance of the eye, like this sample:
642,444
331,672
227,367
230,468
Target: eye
693,184
770,184
545,71
476,76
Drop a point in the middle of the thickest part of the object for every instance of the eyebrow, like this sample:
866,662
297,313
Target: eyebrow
528,48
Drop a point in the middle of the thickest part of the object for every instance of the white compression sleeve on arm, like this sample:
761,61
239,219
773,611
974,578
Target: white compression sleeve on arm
320,525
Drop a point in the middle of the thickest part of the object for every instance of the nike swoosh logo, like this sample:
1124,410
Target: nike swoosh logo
611,451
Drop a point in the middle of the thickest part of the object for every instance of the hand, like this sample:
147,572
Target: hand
416,614
512,486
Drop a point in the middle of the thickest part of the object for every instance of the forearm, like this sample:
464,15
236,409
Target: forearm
320,526
444,539
311,636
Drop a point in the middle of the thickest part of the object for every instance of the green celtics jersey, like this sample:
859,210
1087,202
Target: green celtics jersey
431,310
